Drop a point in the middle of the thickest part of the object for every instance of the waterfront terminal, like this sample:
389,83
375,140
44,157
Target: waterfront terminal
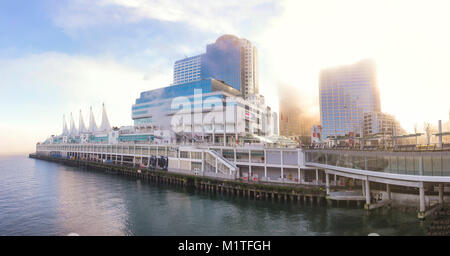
365,177
213,123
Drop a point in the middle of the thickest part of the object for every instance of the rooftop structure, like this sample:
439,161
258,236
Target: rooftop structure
83,134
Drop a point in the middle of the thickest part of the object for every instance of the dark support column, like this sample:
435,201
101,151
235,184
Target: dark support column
367,188
421,213
441,194
327,181
388,191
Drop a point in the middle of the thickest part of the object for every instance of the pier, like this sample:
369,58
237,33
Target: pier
418,177
251,190
363,179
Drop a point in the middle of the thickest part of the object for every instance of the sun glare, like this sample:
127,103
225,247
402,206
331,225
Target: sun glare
406,39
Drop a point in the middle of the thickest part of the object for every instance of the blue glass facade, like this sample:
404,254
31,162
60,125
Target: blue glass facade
222,61
345,94
153,103
98,139
136,137
173,91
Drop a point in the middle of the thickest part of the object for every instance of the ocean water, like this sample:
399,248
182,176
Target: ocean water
44,198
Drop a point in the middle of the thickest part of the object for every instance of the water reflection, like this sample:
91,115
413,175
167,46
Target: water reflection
88,207
42,198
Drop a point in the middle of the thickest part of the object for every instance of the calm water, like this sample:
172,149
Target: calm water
43,198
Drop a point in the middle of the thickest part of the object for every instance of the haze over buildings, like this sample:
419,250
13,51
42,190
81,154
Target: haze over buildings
295,117
69,54
346,93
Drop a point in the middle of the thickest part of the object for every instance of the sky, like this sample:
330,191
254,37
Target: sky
60,56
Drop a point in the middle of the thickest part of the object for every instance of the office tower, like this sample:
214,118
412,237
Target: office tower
187,70
295,119
222,61
250,83
379,123
230,59
346,93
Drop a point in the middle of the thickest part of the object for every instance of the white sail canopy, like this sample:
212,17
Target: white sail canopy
65,131
81,126
73,129
92,123
105,126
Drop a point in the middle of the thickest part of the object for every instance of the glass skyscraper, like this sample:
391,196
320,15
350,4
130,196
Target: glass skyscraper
222,61
229,59
346,93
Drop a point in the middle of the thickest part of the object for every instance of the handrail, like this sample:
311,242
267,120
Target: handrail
225,161
397,148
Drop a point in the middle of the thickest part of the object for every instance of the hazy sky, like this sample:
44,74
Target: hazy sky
60,56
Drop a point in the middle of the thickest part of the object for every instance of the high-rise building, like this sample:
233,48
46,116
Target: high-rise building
250,78
295,123
295,118
187,70
378,123
346,93
230,59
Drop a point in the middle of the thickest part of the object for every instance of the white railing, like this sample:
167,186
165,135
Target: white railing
223,160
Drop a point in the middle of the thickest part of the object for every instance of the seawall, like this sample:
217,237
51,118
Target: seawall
313,195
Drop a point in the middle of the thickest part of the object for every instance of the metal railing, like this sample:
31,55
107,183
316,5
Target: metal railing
406,147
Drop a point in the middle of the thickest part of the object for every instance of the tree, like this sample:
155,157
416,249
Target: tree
428,131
